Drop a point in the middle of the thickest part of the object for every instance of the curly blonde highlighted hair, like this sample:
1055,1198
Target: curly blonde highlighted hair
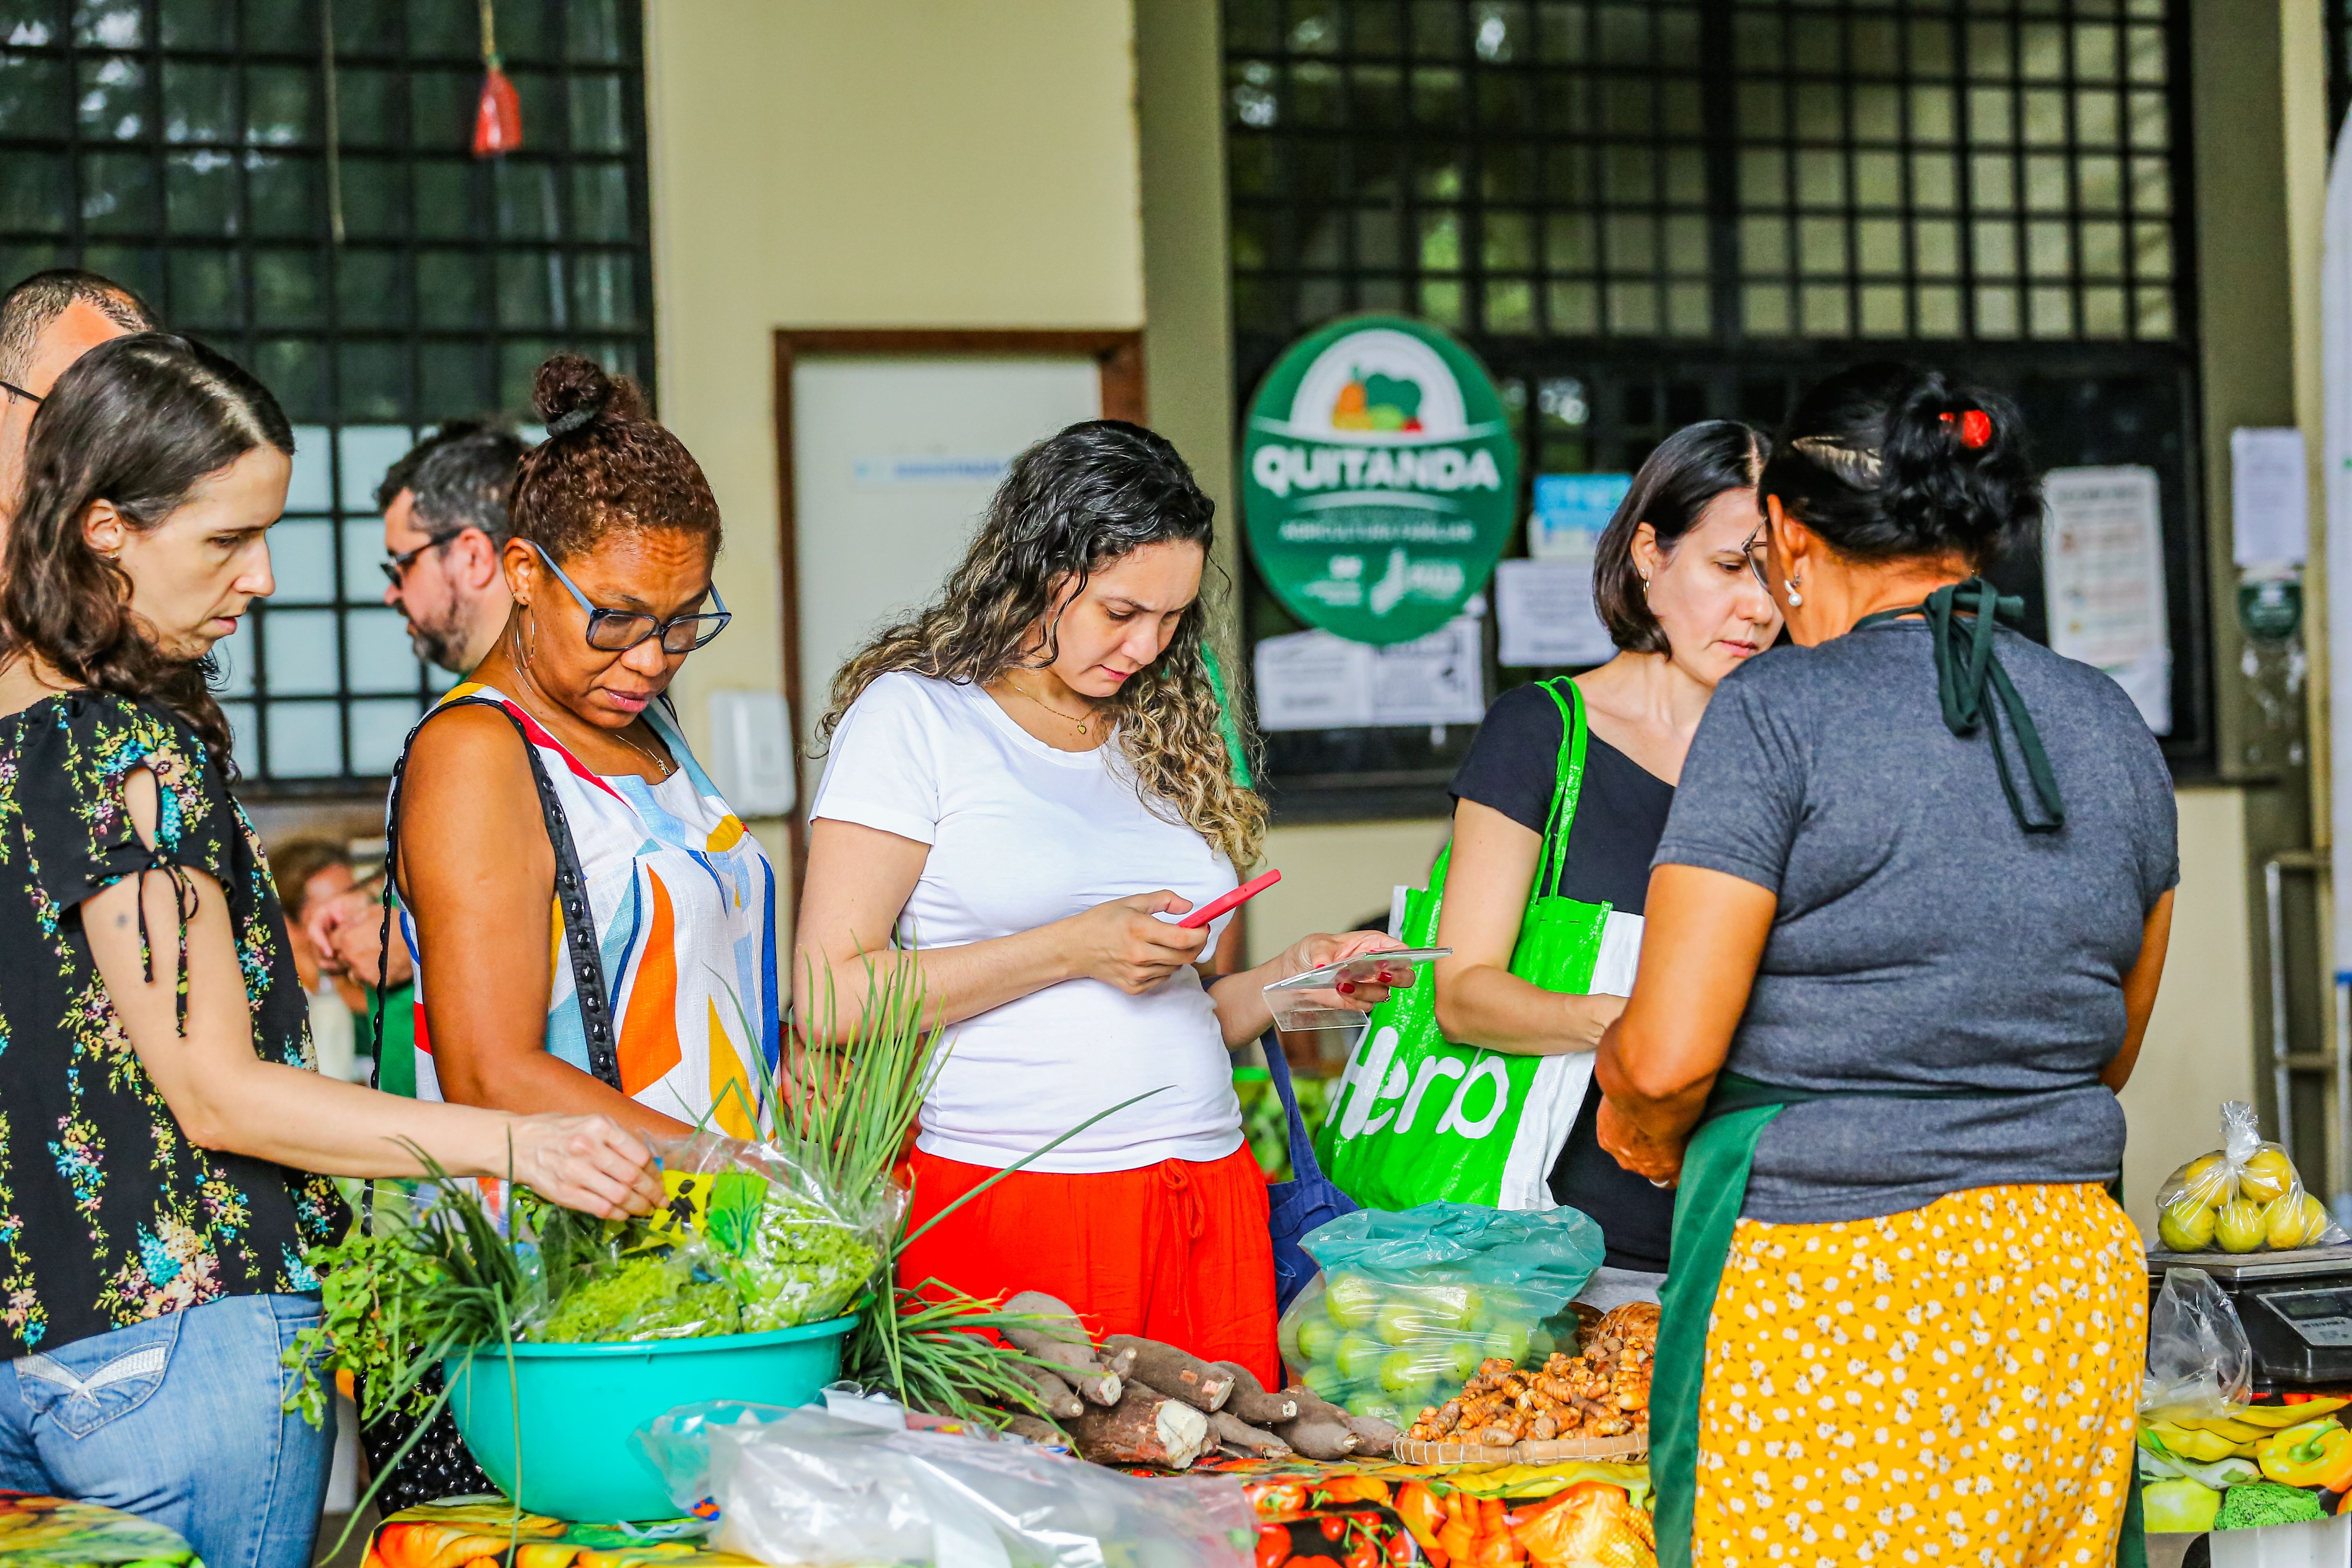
1070,505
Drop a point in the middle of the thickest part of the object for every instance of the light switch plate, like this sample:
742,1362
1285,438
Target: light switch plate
751,753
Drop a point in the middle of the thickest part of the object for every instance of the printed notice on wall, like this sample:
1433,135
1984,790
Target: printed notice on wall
1544,614
2103,570
1316,680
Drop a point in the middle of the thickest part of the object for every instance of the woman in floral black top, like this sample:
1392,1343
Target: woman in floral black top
159,1119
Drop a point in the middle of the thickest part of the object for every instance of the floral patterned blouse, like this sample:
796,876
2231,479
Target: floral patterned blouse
109,1215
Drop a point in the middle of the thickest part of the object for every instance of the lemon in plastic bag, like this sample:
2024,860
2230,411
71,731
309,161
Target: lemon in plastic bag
2245,1196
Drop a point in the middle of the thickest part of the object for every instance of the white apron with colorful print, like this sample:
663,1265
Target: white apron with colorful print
685,904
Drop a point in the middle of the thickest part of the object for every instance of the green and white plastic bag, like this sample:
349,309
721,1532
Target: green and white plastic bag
1417,1119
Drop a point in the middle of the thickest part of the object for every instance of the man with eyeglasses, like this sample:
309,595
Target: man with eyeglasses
47,322
444,524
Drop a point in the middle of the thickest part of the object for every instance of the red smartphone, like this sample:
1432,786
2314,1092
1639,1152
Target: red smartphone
1233,900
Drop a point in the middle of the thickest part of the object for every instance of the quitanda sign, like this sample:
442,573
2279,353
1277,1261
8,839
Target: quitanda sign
1379,478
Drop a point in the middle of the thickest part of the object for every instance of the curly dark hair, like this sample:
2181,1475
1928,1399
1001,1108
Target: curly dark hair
606,465
138,421
1069,506
1674,486
1875,460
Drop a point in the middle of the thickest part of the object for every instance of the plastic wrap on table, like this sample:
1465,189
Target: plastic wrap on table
2245,1196
2198,1361
796,1250
817,1490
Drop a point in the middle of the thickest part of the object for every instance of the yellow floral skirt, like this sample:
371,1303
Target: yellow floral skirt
1950,1384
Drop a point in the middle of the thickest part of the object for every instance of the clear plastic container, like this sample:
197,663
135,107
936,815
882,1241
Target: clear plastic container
1311,1001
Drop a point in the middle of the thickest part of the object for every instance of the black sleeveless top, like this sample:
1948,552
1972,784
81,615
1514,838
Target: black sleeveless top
1621,814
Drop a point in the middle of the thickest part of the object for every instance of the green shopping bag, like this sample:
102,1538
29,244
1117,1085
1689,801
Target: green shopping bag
1417,1119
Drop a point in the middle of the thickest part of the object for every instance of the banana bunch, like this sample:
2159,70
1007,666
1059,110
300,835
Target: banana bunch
2204,1440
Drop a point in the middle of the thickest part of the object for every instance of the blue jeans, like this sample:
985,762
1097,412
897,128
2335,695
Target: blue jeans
177,1420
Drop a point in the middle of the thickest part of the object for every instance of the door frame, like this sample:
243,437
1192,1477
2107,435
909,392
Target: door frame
1118,356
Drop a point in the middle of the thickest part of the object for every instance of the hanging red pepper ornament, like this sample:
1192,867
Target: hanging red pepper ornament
498,118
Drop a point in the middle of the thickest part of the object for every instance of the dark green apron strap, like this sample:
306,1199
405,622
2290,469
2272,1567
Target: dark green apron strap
1706,1207
1966,667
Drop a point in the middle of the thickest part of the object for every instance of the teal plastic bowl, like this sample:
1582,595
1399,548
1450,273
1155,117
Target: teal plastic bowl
577,1406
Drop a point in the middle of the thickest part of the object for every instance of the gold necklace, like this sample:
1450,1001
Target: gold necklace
1049,707
662,770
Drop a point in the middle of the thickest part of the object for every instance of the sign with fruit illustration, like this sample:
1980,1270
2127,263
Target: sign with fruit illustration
1379,478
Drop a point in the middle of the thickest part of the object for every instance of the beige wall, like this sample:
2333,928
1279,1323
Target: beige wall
2199,1050
867,163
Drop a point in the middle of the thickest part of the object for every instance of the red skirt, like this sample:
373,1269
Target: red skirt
1176,1252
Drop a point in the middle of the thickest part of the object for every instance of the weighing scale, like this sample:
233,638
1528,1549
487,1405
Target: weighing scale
2297,1307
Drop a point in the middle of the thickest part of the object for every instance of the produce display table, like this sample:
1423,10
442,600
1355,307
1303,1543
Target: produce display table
1369,1515
53,1532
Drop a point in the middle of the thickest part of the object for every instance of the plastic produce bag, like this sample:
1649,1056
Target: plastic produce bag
2245,1196
811,1489
796,1251
2199,1362
1408,1304
678,1444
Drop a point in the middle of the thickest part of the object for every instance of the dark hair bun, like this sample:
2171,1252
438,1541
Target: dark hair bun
1885,461
572,390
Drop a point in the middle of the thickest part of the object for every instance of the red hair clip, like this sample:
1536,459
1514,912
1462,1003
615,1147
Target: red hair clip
1976,426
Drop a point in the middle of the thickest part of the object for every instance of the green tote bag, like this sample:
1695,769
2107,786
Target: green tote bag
1417,1119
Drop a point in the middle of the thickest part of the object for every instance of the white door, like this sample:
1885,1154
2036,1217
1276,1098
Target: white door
894,459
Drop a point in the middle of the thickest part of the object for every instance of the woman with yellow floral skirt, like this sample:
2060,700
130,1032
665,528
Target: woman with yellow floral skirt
1905,927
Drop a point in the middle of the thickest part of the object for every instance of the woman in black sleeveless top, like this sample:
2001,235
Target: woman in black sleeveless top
1674,580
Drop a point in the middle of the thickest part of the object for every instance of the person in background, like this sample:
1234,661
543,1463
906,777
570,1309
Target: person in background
160,1205
1676,577
1905,929
47,322
652,1000
305,871
445,529
1023,780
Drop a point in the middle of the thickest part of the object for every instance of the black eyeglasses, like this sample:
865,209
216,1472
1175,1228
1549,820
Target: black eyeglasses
618,631
13,390
397,567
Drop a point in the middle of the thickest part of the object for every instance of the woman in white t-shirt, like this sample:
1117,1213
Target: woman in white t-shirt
1027,784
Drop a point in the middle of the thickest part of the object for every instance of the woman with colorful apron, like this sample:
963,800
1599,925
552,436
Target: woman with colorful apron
1905,934
1565,793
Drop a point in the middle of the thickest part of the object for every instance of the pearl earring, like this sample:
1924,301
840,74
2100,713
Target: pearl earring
1646,584
1795,598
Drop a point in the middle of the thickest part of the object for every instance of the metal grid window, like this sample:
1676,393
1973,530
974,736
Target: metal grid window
1644,213
378,279
1699,169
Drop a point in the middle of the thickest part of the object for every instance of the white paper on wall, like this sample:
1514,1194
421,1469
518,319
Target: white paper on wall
1315,680
2102,572
1544,614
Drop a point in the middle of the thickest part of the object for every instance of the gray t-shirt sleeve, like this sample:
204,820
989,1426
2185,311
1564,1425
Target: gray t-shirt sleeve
1742,793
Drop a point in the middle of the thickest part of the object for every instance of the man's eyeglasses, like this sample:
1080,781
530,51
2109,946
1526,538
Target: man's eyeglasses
397,567
618,631
13,390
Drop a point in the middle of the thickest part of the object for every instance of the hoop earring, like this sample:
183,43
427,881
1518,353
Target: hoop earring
1795,598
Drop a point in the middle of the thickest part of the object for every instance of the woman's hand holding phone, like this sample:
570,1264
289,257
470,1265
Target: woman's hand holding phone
1123,943
1355,995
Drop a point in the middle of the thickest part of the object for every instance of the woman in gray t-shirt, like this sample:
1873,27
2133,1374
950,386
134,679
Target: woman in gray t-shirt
1905,927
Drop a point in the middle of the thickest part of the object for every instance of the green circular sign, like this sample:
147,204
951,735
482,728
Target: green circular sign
1379,478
